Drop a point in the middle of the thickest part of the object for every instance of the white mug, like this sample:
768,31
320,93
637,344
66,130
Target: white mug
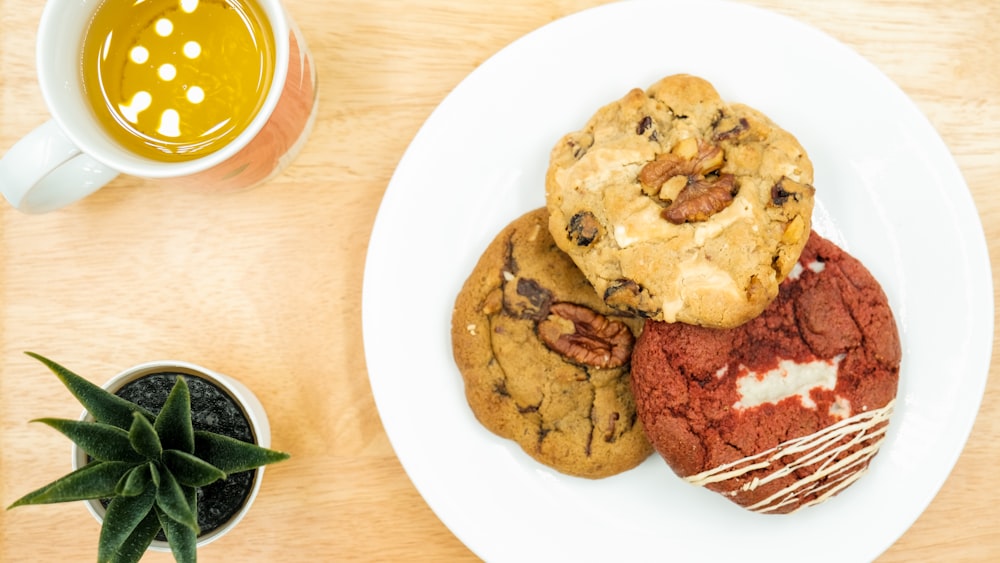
71,156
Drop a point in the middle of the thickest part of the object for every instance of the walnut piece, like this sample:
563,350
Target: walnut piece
656,173
703,191
689,157
584,336
701,199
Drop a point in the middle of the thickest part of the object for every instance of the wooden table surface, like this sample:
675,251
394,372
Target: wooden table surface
266,284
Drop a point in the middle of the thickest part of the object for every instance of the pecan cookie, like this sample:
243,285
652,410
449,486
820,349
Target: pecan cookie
544,360
788,409
679,206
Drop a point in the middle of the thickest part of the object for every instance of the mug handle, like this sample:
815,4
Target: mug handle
44,171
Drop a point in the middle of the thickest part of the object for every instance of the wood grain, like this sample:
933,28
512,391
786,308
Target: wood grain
265,285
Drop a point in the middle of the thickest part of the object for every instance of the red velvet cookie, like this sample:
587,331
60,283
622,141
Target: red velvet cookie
786,410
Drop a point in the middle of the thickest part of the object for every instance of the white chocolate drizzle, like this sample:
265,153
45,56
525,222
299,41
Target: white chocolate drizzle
833,473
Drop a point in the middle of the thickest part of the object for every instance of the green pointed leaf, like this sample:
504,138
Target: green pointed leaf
135,481
102,442
122,517
154,474
232,455
103,406
190,470
183,540
94,480
170,497
143,438
173,424
135,545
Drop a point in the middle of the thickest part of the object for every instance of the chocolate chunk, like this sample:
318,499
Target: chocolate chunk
525,298
644,125
583,228
536,294
735,131
630,297
778,194
500,388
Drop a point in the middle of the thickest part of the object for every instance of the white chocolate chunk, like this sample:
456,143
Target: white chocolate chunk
789,379
670,309
705,276
815,267
841,408
739,210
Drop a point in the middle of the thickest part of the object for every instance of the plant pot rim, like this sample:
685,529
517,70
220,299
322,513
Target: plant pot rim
244,398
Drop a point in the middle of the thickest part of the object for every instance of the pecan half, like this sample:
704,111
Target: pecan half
586,337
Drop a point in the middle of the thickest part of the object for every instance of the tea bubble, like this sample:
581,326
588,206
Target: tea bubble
139,54
192,49
139,102
167,72
195,95
164,27
170,122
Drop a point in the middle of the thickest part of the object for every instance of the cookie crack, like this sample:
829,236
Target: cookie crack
510,263
590,435
734,446
500,387
528,409
544,426
499,383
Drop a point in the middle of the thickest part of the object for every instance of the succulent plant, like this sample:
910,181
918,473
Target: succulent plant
148,466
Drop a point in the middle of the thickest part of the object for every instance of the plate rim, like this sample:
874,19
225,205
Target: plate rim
975,245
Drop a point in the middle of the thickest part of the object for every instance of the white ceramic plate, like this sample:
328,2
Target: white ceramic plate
888,191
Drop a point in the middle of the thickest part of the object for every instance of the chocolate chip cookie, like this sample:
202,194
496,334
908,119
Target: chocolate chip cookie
679,206
788,409
544,360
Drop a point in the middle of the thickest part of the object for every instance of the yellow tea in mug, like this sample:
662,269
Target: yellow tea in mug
175,80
